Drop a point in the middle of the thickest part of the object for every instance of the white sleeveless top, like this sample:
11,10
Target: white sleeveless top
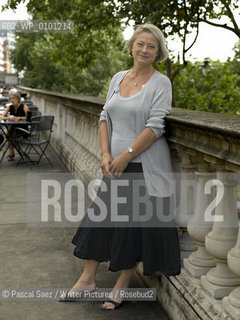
122,112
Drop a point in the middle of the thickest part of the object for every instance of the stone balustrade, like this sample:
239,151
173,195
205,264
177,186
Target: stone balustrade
205,153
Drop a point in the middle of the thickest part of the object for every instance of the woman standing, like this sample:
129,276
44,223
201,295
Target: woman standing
131,131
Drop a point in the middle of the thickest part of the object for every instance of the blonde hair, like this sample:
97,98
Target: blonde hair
148,27
16,95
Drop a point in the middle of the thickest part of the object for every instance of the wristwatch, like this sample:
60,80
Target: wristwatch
130,150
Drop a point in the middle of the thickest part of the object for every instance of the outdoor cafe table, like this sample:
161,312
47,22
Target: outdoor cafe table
4,128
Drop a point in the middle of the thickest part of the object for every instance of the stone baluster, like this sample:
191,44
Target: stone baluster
84,132
96,144
91,149
82,152
186,202
44,106
89,134
66,120
75,125
77,129
176,161
200,261
80,130
72,122
59,120
232,302
87,140
91,139
220,281
85,155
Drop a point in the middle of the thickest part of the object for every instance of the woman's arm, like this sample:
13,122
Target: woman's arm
103,136
25,108
104,146
4,115
143,141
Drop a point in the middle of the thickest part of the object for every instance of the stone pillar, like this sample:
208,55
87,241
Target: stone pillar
80,130
220,281
232,302
83,132
64,123
96,144
44,106
60,122
176,161
186,202
200,261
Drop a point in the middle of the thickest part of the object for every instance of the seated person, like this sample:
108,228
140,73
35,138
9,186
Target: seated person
12,90
4,90
17,111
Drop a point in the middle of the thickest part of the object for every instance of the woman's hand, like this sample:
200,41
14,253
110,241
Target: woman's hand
14,118
11,118
119,164
105,163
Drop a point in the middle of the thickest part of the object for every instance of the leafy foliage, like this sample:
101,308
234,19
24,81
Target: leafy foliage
94,24
171,15
33,54
216,91
84,61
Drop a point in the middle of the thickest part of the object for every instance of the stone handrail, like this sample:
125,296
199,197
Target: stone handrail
204,146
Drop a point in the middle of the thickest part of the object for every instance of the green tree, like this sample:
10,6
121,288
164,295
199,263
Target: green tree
94,24
96,17
234,64
97,21
216,91
33,55
20,55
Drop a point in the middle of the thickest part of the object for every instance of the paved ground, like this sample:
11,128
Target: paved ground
35,256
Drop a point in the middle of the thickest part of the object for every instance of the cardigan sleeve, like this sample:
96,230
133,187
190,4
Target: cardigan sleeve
160,107
110,89
102,117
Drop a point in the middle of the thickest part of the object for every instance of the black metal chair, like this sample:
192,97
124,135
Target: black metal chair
37,140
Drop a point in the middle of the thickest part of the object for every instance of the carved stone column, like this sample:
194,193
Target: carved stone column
220,281
84,132
95,146
186,202
200,261
176,161
232,302
44,106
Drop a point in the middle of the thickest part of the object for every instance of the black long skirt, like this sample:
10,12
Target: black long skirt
124,244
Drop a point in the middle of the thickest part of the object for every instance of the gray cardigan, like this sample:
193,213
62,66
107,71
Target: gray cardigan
156,104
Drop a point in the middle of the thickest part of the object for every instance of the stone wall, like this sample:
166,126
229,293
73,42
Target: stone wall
204,148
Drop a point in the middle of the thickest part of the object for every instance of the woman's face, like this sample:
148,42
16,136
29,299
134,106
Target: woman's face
13,100
145,48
